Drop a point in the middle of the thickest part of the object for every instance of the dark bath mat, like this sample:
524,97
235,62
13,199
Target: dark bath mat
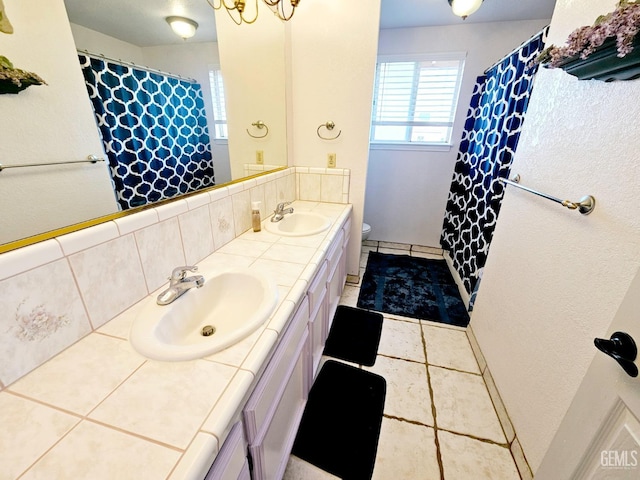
341,423
412,287
354,335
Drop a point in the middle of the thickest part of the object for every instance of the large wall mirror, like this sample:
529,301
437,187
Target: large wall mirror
249,58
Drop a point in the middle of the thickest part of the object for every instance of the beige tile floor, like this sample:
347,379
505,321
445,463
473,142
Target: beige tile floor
439,421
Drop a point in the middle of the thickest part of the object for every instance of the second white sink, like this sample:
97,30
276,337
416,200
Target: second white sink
226,309
299,224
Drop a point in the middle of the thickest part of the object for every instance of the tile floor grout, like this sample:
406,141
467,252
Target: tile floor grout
446,440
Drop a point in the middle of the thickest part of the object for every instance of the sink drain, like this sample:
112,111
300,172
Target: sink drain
208,330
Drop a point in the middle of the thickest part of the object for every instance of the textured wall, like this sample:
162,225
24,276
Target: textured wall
554,279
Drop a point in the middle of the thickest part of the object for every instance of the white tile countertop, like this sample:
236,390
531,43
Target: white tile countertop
99,410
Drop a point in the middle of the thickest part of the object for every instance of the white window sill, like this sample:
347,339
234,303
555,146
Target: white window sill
410,146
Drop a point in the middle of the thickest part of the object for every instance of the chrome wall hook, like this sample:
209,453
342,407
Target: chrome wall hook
329,126
259,125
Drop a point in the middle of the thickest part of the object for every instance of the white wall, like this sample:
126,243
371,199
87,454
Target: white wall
99,43
554,279
45,124
333,54
407,190
252,57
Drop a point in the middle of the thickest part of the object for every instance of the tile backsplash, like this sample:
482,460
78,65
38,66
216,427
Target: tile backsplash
55,292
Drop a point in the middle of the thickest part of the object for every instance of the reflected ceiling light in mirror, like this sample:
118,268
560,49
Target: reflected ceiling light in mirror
464,8
183,27
237,9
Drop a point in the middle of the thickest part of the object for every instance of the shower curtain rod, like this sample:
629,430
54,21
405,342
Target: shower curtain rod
585,206
100,56
514,51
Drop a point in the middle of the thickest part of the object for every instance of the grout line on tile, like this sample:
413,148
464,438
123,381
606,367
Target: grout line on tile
110,335
137,435
45,404
405,420
473,437
408,360
82,300
433,405
51,447
459,371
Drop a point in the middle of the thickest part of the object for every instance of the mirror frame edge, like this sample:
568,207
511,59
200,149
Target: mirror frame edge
58,232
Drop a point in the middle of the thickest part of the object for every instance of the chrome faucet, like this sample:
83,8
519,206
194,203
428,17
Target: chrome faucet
280,211
179,283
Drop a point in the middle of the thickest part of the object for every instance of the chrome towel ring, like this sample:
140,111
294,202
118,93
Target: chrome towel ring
329,126
259,125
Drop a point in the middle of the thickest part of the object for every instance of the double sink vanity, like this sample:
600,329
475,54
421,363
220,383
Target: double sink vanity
214,383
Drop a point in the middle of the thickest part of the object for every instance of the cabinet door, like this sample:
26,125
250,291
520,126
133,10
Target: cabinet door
270,452
261,405
318,332
231,459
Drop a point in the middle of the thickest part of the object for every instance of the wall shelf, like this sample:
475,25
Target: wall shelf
604,64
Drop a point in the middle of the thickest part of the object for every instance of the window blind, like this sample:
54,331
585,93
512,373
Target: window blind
219,107
415,101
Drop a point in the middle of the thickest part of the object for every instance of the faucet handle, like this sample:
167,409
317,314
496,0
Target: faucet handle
179,273
281,206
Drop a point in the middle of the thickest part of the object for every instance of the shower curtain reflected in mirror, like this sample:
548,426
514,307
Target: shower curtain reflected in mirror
488,145
154,131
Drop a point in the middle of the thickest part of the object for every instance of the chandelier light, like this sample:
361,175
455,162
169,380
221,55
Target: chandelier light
239,13
464,8
183,27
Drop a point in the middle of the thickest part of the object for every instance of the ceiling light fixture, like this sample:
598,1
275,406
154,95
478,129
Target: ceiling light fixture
237,10
464,8
183,27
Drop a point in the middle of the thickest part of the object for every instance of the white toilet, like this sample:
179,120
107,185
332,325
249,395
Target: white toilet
366,230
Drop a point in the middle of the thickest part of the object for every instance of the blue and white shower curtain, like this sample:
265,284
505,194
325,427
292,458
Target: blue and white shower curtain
154,131
488,145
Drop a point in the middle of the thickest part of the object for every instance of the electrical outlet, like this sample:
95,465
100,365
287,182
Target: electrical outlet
259,157
331,160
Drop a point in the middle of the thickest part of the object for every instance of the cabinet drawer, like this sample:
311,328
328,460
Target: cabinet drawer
262,404
232,457
317,288
334,251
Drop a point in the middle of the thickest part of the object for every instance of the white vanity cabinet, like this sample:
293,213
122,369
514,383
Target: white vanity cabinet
272,414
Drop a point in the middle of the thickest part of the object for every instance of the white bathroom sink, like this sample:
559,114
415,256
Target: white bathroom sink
234,303
298,224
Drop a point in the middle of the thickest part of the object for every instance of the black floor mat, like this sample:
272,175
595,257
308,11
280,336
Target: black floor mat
341,423
412,287
354,335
